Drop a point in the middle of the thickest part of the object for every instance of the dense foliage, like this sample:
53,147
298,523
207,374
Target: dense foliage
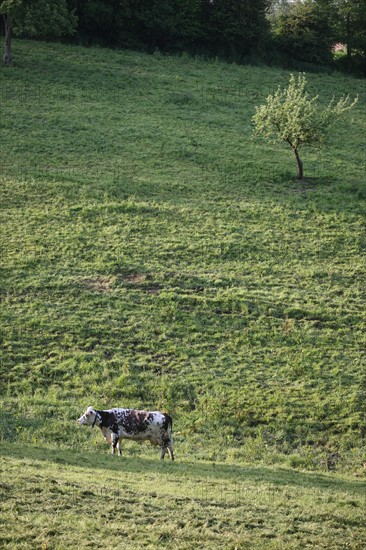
228,28
298,34
306,31
303,31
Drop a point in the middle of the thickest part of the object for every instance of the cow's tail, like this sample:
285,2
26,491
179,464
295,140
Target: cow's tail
169,426
169,422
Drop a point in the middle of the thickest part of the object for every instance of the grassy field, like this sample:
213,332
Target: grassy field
154,255
72,499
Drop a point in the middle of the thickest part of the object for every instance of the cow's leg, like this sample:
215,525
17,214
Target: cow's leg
119,447
163,451
114,443
170,450
167,444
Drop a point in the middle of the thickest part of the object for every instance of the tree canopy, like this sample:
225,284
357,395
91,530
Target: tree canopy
307,30
36,19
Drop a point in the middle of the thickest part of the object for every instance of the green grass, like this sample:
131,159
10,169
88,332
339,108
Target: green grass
155,255
82,500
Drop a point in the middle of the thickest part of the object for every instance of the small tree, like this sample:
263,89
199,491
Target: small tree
291,116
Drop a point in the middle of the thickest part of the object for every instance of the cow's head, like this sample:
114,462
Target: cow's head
89,418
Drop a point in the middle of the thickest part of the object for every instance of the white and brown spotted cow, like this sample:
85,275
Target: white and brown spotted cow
118,424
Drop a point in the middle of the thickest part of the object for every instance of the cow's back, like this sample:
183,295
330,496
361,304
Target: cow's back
140,424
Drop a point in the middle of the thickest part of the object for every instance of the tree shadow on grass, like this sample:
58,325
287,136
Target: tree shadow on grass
187,469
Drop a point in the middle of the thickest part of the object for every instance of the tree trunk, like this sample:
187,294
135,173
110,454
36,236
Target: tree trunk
349,42
300,172
8,37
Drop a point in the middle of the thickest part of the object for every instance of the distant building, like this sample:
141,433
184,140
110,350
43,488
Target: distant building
339,47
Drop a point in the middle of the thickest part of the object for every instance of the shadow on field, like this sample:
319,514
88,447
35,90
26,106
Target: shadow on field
188,469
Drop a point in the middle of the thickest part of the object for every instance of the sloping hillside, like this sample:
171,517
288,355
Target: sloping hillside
155,255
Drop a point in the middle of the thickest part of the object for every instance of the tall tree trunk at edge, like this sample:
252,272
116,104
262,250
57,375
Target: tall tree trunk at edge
300,171
349,42
8,37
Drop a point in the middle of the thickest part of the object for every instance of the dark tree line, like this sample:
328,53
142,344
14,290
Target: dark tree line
308,30
227,28
275,31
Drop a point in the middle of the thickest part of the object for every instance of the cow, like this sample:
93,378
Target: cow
117,424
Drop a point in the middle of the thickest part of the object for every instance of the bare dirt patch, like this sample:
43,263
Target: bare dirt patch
141,280
98,284
135,278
